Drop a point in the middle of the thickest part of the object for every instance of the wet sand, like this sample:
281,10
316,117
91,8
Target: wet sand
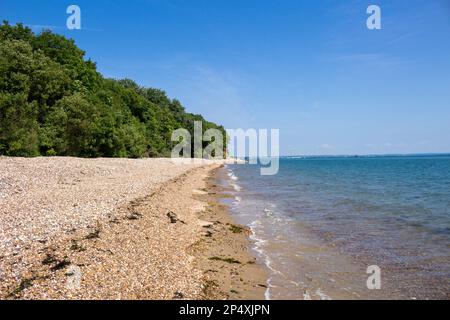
231,271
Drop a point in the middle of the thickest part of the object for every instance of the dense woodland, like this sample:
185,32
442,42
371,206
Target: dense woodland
53,101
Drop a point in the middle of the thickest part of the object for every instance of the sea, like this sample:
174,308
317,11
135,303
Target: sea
373,227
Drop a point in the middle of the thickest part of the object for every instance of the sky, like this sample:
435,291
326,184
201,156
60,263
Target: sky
311,69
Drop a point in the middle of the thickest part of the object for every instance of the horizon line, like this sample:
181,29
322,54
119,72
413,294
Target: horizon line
371,155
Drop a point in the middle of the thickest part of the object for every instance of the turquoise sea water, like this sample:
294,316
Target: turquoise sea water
320,222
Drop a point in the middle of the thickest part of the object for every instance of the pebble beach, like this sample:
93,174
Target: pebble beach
105,228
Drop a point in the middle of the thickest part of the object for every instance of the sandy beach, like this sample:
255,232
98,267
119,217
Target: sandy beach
120,229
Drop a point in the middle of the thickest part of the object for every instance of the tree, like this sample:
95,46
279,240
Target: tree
18,125
54,102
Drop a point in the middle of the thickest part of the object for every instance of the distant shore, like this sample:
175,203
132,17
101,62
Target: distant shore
119,229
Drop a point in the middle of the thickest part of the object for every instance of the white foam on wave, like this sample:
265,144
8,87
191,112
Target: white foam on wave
258,241
275,218
306,296
318,293
233,180
259,248
236,187
232,176
322,295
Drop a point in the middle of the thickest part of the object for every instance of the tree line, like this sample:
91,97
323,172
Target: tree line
54,102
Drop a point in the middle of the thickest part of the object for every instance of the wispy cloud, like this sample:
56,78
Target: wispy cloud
51,27
402,37
41,26
358,57
376,60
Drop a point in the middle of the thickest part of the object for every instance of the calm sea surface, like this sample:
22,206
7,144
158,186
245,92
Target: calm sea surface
320,222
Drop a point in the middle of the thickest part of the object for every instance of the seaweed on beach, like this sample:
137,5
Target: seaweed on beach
24,284
49,259
209,287
208,234
178,296
174,218
60,265
114,221
57,264
77,247
227,260
134,216
93,235
236,229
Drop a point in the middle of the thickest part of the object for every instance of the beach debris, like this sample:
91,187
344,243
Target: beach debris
76,247
93,235
211,270
114,221
24,284
49,259
205,224
208,234
57,264
236,229
60,265
178,296
210,287
173,217
227,260
134,215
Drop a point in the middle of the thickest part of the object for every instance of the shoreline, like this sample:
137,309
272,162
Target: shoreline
157,246
231,270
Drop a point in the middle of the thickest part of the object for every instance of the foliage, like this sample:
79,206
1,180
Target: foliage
54,102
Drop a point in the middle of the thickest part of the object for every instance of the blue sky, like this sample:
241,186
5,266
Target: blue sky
310,68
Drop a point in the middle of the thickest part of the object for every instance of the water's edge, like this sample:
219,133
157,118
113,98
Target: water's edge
306,262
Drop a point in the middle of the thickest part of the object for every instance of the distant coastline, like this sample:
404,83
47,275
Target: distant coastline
443,154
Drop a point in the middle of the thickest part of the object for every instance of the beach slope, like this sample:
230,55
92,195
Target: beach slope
104,229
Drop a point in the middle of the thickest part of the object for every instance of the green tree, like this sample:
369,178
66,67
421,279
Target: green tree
18,125
54,102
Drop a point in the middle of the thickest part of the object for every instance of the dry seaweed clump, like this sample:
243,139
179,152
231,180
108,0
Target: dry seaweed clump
227,260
